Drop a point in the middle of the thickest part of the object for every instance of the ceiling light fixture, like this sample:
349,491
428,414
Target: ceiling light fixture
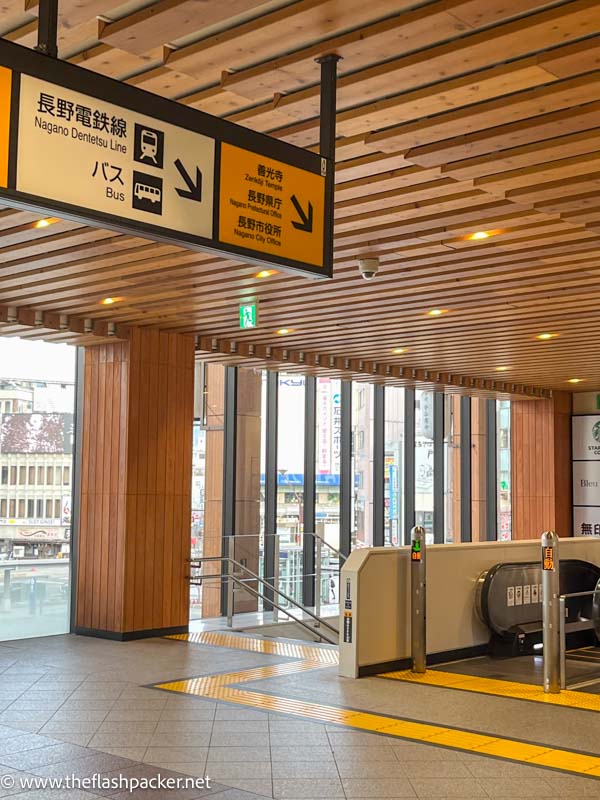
479,235
266,273
502,369
575,380
108,301
398,351
544,337
436,312
283,331
43,223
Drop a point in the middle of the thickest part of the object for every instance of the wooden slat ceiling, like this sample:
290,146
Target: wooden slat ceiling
454,116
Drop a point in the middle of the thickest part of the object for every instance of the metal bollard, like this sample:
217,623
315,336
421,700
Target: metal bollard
551,612
418,600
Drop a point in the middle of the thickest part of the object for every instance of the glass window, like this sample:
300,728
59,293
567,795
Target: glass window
452,468
327,507
66,476
4,476
424,461
290,482
362,464
503,455
394,466
3,508
34,601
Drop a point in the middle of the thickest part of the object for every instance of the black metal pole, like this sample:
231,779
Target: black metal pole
438,468
327,143
328,104
229,468
491,472
310,448
48,28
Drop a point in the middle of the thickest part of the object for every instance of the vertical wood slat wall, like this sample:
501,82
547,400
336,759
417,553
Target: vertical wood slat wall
134,531
541,466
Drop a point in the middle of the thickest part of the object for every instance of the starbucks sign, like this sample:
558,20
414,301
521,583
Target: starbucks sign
586,475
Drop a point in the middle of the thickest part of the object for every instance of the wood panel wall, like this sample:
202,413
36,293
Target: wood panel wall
541,467
134,528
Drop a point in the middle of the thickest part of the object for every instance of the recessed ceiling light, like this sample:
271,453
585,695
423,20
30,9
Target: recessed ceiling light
479,235
266,273
398,351
108,301
43,223
436,312
575,380
283,331
544,337
502,369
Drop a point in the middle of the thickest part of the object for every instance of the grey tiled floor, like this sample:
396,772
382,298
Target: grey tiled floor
76,705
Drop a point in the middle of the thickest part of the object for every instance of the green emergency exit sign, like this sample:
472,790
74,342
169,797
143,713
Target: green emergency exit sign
248,316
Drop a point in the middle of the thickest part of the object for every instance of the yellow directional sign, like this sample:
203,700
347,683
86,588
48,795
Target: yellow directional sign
5,90
147,166
271,207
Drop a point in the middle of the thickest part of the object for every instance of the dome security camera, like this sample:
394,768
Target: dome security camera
368,267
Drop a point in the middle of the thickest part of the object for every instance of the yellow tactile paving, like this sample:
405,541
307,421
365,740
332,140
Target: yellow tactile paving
512,689
325,655
220,687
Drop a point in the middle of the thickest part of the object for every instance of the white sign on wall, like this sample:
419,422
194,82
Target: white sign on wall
87,152
586,438
586,521
586,475
586,483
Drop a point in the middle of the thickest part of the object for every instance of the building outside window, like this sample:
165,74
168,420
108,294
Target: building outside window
424,461
37,400
503,439
362,464
327,508
394,467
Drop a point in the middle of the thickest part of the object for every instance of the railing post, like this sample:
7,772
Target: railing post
562,604
318,563
551,612
418,600
230,586
276,573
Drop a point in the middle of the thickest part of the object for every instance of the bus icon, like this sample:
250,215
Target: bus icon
144,192
149,145
147,193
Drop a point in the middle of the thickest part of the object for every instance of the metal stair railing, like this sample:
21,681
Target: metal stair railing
330,635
